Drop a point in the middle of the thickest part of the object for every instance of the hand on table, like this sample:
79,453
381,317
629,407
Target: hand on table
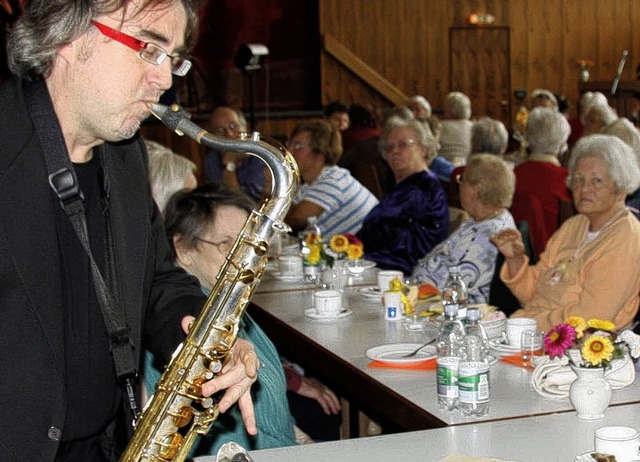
236,377
314,389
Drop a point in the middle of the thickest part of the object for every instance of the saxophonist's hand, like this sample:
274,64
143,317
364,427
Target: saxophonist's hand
236,377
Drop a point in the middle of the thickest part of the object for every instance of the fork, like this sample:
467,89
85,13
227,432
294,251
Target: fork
415,352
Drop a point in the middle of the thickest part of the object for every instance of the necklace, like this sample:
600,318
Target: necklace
561,267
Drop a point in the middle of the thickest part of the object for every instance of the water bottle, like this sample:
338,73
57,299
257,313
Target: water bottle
450,350
474,390
475,328
310,234
455,291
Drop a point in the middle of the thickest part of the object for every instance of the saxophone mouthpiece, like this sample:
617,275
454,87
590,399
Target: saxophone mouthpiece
170,116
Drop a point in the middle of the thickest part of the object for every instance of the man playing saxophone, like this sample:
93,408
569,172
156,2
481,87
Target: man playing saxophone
82,288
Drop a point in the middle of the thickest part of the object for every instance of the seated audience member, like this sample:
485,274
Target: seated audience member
202,225
414,216
329,192
541,174
362,125
235,170
597,117
543,98
624,129
486,190
579,273
455,138
587,99
420,107
337,114
168,172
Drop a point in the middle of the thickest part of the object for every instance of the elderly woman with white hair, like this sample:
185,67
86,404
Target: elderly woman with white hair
455,138
489,136
579,273
414,216
597,117
541,174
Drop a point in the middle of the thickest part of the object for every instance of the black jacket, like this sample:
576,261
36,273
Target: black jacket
156,293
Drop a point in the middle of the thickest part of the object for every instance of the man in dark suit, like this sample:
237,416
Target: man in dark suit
85,73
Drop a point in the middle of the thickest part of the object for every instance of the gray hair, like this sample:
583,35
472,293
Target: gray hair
168,172
48,25
625,130
494,179
589,99
458,105
620,159
545,94
489,136
420,101
547,131
420,129
606,113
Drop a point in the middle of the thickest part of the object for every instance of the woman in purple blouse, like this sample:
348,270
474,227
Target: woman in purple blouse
414,216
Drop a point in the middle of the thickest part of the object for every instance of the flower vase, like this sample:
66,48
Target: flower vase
590,393
335,278
584,74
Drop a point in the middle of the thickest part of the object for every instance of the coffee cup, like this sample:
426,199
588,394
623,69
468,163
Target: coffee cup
291,265
622,442
327,302
514,328
386,276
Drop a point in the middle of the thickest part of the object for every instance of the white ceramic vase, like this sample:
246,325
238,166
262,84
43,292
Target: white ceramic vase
336,278
590,393
584,74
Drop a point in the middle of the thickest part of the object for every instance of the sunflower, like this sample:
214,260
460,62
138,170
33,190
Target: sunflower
559,338
355,251
339,243
600,324
578,323
597,349
314,255
311,239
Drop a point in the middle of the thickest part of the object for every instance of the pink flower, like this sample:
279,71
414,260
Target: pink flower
559,339
352,239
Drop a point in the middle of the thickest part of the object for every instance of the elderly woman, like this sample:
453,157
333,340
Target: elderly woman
489,136
591,264
329,192
455,138
414,216
597,117
541,176
202,224
486,189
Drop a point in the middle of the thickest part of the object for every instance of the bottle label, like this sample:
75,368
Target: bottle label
473,382
447,376
392,305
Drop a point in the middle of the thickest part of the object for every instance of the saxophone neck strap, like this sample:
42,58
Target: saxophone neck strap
63,181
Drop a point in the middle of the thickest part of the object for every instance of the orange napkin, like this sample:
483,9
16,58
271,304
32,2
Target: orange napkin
426,365
516,360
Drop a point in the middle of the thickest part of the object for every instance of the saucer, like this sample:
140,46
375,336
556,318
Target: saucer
286,277
313,314
499,346
362,266
371,292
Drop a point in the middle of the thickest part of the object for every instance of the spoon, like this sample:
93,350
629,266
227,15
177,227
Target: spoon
415,352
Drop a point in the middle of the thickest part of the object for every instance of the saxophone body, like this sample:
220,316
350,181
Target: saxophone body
177,413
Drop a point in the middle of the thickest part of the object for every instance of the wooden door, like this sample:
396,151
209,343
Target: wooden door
479,67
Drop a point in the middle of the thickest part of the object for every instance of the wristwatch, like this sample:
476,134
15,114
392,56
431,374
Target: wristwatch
230,167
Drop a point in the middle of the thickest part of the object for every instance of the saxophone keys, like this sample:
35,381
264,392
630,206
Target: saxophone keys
182,417
170,445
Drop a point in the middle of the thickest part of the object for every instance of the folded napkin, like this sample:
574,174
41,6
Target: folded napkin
552,377
426,365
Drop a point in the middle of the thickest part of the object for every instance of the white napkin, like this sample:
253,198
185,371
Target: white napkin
552,377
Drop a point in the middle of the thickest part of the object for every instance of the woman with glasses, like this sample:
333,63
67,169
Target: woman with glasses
328,192
414,216
591,265
486,191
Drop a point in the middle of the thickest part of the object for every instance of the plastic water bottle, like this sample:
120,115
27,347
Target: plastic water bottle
474,391
310,234
475,328
450,350
455,291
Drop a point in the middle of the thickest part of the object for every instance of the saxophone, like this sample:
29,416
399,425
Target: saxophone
177,412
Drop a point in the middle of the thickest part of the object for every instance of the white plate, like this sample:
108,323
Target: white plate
313,314
372,292
499,346
286,277
392,353
586,457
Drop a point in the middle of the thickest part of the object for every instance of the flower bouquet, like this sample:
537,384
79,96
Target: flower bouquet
340,247
590,343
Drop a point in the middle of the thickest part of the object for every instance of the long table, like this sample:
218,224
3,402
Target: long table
550,438
400,400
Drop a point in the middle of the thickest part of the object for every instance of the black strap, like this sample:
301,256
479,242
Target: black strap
63,181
